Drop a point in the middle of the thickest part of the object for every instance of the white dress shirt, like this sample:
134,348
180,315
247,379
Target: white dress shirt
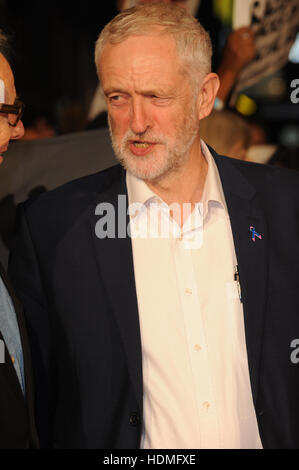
196,382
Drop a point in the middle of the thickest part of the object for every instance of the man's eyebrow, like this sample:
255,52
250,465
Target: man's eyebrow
157,92
108,91
154,91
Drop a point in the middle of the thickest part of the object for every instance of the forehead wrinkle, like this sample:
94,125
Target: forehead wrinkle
142,67
140,82
140,52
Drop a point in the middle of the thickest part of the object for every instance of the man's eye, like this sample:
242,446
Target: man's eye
160,99
116,99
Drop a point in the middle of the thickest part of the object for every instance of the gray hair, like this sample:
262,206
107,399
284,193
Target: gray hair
192,40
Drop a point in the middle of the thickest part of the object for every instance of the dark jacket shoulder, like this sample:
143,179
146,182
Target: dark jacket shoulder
273,180
77,192
55,211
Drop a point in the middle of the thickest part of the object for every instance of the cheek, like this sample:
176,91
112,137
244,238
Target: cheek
119,122
167,122
4,131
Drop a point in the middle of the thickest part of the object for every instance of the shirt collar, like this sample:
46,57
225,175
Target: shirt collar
213,191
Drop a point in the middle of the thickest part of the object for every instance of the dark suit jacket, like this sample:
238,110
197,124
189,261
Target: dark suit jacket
80,300
17,428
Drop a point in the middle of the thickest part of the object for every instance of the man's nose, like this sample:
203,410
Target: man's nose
18,131
140,119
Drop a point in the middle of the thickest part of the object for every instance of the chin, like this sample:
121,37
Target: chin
149,167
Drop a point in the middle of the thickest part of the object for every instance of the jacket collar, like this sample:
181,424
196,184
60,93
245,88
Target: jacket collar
115,264
245,211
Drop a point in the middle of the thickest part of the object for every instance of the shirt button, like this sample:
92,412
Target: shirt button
188,291
134,419
206,405
197,347
12,359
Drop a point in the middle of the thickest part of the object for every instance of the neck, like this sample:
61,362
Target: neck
184,184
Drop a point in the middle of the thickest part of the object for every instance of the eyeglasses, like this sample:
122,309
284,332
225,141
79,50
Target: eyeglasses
13,111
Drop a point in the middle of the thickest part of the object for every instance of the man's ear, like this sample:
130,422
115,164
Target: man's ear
207,94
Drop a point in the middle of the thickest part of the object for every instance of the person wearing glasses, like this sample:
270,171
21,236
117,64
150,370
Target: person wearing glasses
13,114
17,428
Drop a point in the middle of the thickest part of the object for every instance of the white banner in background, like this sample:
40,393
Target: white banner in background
275,23
241,13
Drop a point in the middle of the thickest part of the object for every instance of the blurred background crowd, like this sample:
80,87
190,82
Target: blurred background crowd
256,115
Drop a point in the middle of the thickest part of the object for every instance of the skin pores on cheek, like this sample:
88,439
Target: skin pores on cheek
4,132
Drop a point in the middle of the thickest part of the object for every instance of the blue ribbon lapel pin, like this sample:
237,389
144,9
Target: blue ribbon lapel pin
254,233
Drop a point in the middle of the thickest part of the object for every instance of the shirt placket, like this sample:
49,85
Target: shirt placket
197,347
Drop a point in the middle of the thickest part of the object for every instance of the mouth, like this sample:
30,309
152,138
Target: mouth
141,147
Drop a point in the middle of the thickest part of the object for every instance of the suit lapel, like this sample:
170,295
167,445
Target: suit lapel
245,211
28,373
115,263
8,370
8,367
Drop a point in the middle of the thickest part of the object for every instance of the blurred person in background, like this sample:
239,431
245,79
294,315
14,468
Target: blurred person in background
227,132
17,429
38,124
260,149
285,158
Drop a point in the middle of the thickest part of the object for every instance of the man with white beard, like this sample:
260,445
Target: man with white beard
172,340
